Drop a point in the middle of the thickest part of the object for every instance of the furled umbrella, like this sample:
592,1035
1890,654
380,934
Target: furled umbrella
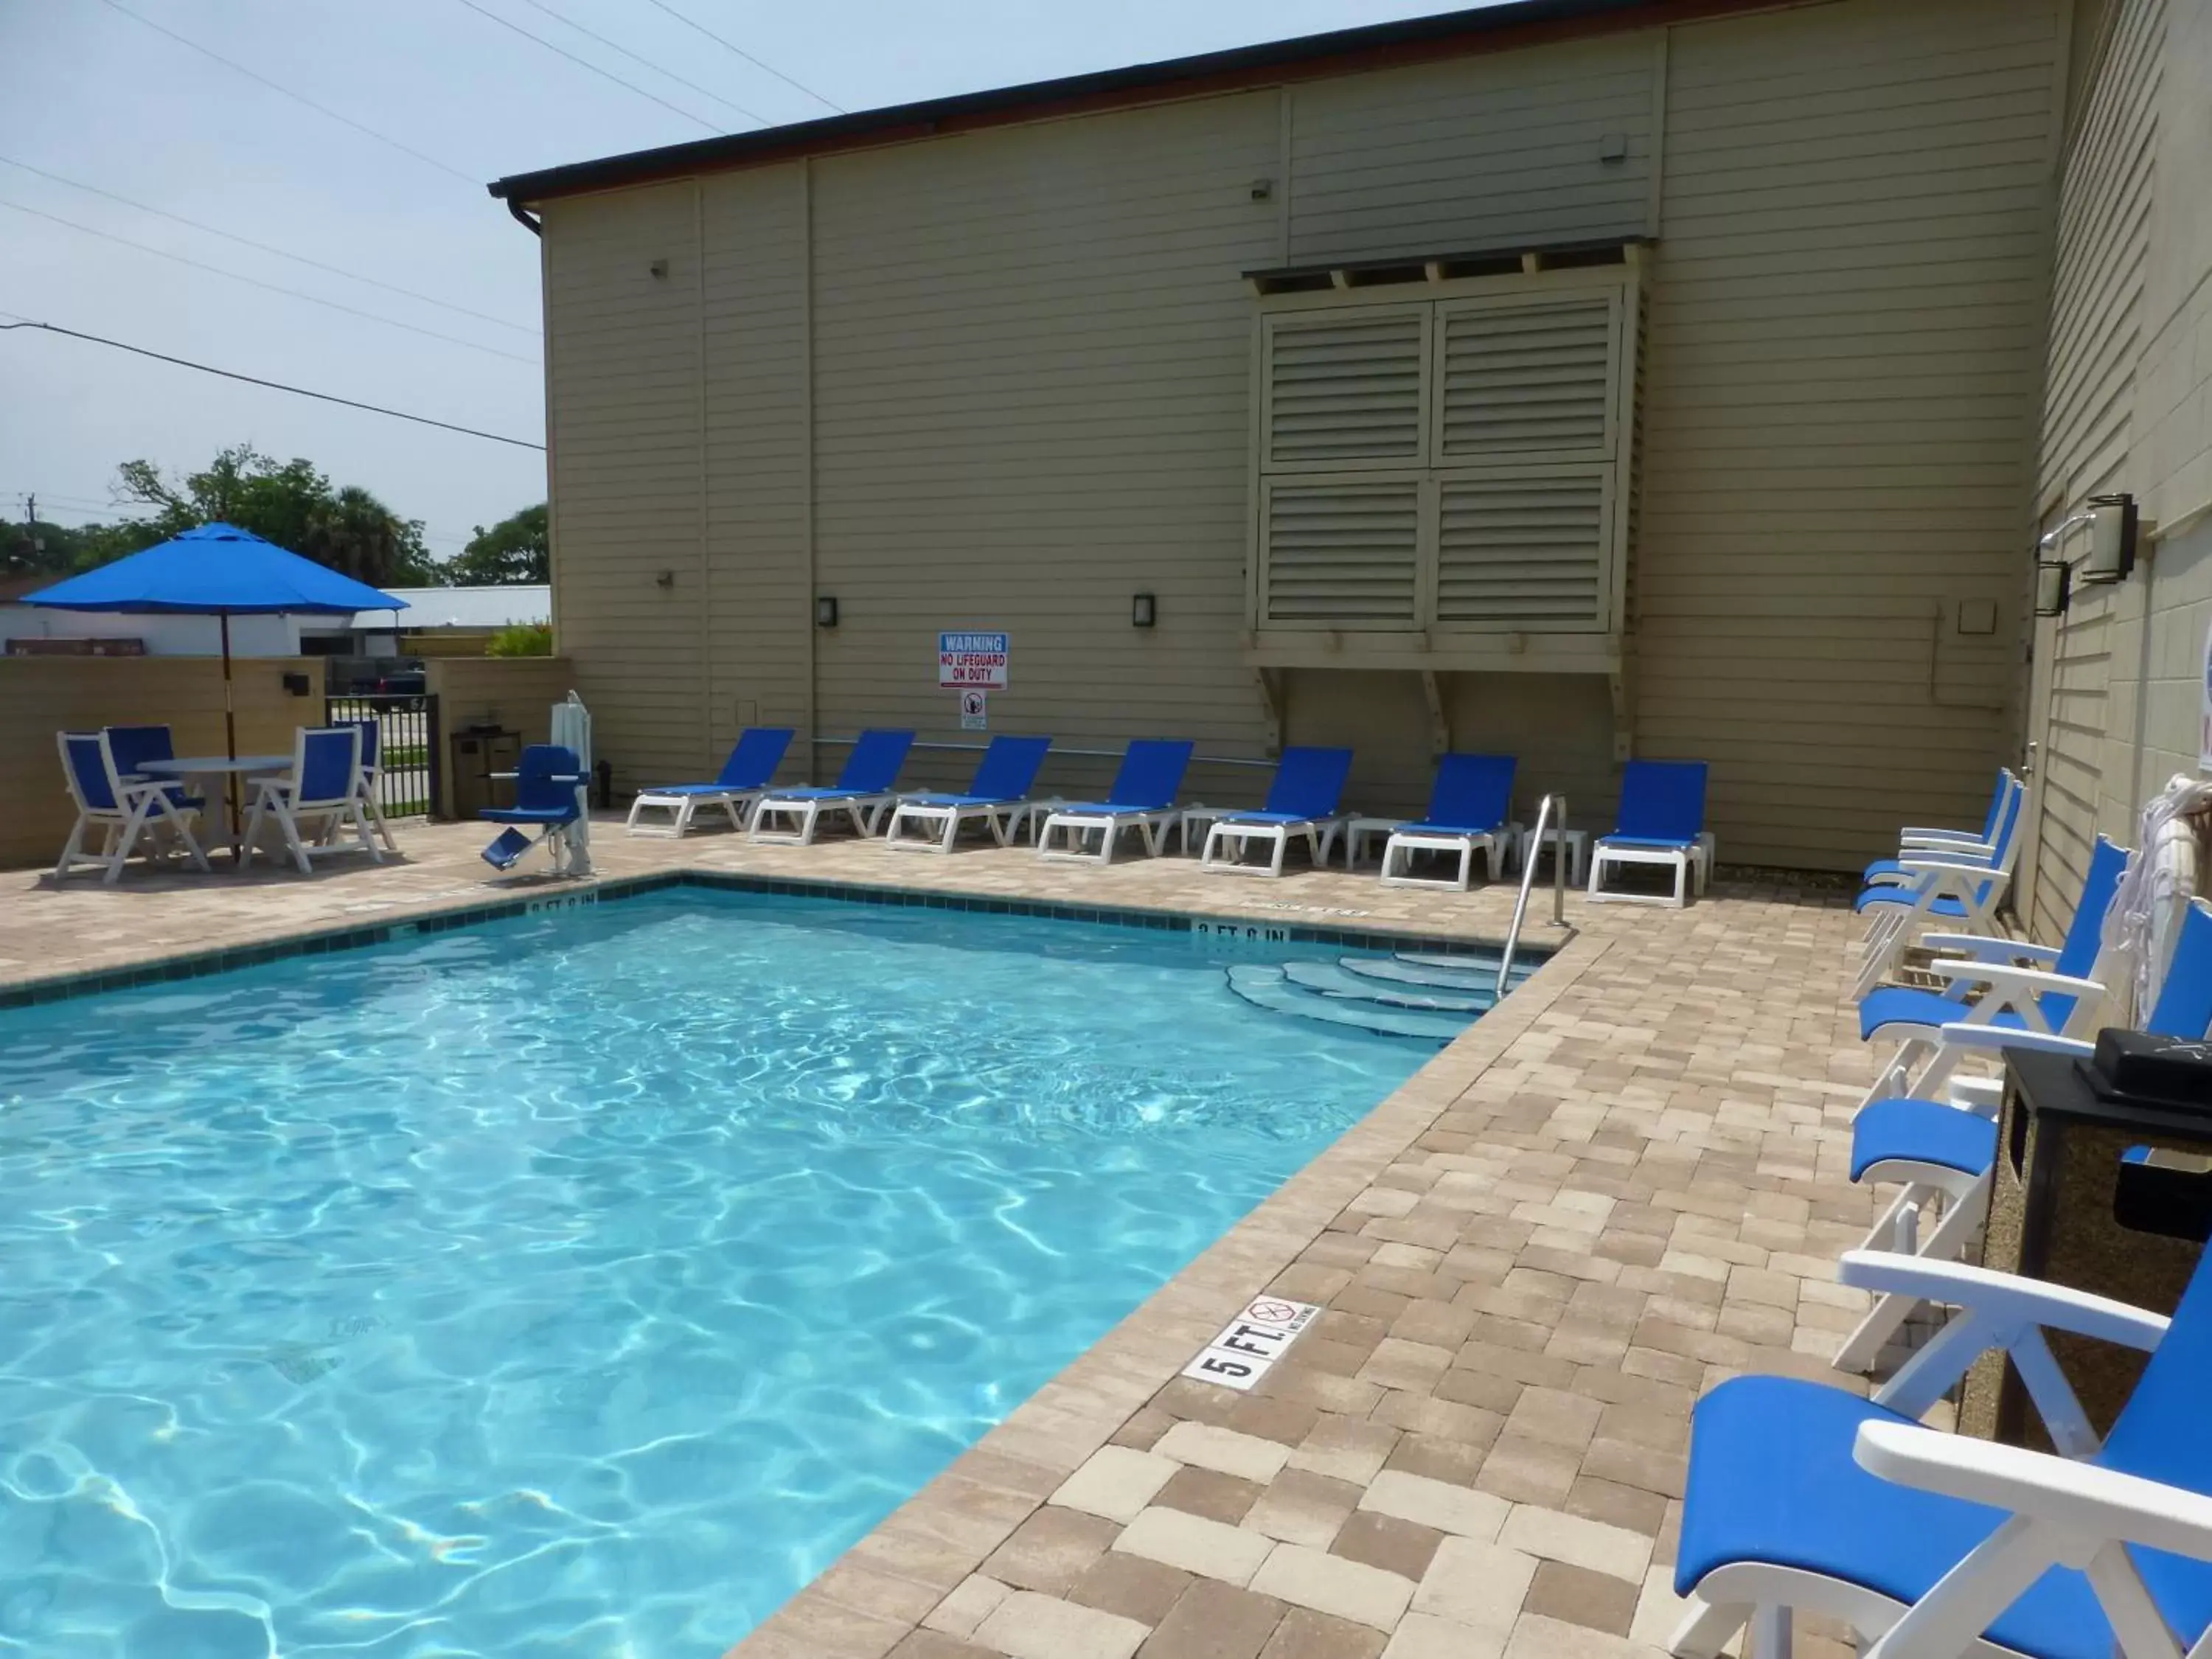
216,570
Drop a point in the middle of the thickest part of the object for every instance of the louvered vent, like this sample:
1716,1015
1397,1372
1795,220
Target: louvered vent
1342,551
1527,377
1345,389
1525,551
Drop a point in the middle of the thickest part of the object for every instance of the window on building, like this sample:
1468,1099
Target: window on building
1458,464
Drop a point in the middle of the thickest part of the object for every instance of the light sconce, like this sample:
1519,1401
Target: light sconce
1143,610
2112,533
660,269
825,612
2054,586
664,579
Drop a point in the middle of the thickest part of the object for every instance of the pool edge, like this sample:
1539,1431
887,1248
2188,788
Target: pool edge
885,1587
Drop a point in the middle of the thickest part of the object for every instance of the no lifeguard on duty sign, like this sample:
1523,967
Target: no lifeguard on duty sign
969,662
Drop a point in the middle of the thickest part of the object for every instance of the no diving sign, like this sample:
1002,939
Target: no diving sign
1251,1342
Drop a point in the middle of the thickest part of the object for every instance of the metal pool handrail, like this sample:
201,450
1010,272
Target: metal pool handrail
1528,875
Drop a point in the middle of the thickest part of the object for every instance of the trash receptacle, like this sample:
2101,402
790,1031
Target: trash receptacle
477,752
2103,1183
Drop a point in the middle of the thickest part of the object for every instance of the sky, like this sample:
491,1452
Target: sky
97,95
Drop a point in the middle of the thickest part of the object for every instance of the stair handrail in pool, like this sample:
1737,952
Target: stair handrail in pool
1528,875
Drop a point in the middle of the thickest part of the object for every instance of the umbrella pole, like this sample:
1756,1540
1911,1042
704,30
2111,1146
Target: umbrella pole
229,728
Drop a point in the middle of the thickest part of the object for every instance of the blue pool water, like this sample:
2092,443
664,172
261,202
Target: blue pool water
582,1285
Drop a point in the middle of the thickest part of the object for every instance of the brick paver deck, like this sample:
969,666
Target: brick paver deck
1623,1185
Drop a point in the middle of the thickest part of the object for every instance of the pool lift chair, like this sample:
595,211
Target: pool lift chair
549,795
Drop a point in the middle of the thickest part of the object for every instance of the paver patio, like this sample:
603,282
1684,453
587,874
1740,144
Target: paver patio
1625,1183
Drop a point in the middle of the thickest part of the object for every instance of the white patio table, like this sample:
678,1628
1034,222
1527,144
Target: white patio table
211,774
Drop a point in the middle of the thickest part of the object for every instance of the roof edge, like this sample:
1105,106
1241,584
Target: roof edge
1375,45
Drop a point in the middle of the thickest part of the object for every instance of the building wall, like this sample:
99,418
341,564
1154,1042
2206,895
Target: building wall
1001,379
2128,406
164,636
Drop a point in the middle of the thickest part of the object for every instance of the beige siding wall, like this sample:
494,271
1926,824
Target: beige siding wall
624,369
1475,153
2089,428
1001,379
1844,332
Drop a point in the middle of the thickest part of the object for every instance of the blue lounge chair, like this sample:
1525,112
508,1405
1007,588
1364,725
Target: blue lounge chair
744,779
1662,821
548,797
313,802
1142,798
1956,890
1937,1148
1302,801
2015,985
862,792
998,796
121,809
1467,809
1801,1496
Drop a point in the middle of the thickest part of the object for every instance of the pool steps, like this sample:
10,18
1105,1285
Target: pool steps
1410,994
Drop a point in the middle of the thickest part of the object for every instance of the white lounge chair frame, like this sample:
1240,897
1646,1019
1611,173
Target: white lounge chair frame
1154,824
1398,856
1227,838
739,804
274,798
939,827
1692,865
2063,1511
866,812
144,808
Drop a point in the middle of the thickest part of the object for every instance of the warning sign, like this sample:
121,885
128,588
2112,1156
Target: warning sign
1251,1342
971,659
974,711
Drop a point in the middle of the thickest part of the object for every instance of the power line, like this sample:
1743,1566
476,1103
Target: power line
730,46
273,288
297,98
276,386
585,62
264,247
615,46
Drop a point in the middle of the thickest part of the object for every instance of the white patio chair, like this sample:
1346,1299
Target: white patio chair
323,786
122,812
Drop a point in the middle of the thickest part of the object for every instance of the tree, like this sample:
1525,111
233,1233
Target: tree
515,550
291,504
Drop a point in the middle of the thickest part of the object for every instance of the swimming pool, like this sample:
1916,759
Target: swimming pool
583,1284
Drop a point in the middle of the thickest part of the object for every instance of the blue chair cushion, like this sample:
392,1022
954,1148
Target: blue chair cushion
962,800
1884,867
703,789
1106,808
830,792
1668,843
1445,829
1771,1480
1922,1132
528,815
1269,817
1897,1005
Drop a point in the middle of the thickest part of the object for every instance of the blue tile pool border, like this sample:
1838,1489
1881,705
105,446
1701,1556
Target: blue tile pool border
613,890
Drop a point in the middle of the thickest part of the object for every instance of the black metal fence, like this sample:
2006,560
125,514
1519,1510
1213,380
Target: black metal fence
408,759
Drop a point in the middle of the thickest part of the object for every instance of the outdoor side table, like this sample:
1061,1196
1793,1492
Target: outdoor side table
1357,832
1576,843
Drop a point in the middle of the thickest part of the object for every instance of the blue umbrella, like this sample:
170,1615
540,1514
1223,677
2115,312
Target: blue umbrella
216,570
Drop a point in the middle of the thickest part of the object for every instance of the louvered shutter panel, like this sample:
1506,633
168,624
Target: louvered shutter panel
1341,551
1527,376
1345,388
1525,550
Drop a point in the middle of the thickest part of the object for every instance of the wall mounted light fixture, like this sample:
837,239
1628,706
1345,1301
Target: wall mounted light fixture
825,611
664,579
2054,586
1143,610
2112,533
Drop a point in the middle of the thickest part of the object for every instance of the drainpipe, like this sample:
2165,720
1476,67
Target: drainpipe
522,217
